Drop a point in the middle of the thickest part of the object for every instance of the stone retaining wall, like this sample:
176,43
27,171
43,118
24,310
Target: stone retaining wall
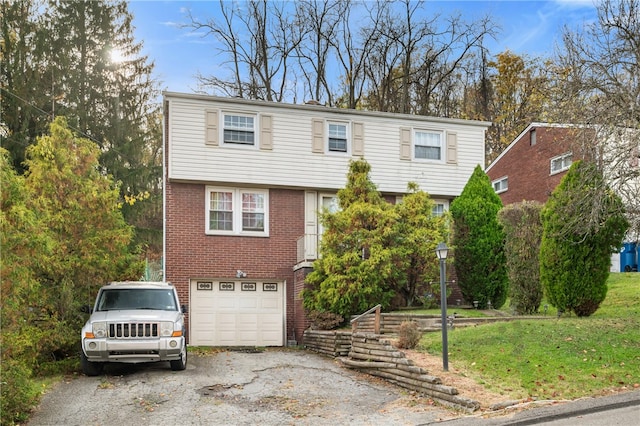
372,354
328,342
389,323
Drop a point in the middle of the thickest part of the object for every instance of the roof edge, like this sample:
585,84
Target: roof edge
318,107
524,132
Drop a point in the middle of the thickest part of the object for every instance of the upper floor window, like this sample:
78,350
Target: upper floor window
438,209
561,163
532,137
500,185
428,145
234,211
338,137
239,129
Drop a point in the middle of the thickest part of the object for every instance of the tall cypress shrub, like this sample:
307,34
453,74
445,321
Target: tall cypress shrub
583,223
479,258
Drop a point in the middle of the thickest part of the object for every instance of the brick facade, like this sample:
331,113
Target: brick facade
300,320
527,166
190,253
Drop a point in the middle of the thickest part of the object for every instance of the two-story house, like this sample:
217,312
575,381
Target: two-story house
244,182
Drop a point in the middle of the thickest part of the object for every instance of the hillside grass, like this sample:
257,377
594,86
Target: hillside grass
558,358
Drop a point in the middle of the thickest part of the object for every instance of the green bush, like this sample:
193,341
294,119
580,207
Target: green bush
478,239
583,223
19,392
355,268
523,232
324,320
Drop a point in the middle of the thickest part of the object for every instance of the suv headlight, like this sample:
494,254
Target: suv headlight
166,328
99,329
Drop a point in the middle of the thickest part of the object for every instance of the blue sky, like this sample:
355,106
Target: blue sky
528,27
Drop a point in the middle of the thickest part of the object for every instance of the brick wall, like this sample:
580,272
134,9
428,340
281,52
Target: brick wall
301,323
190,253
528,167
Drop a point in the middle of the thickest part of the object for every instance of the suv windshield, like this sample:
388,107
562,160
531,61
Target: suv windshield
134,298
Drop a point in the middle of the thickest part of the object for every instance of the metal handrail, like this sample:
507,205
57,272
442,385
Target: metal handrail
366,313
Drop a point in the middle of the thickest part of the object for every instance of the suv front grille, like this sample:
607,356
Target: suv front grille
134,330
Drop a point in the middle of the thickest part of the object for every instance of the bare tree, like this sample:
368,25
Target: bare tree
353,46
599,74
390,67
258,41
318,22
443,54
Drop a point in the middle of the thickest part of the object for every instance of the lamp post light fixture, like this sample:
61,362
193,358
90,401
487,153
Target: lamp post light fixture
442,251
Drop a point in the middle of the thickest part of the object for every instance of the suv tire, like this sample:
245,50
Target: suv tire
180,364
90,368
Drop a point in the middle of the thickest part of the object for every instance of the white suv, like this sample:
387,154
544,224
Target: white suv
134,322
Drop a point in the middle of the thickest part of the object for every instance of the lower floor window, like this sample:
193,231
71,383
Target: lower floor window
501,184
237,211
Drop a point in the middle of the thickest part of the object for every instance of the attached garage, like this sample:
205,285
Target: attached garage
236,313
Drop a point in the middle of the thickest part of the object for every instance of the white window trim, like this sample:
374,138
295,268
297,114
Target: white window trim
256,130
502,179
347,126
443,146
321,197
560,157
443,203
237,211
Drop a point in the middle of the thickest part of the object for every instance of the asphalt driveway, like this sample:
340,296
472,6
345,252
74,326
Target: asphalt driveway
274,387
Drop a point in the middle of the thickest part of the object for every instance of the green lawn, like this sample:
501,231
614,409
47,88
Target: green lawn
558,358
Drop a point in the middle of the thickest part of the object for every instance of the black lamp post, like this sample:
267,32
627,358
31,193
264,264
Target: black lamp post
441,252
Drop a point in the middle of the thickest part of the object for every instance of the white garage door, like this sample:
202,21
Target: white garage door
236,313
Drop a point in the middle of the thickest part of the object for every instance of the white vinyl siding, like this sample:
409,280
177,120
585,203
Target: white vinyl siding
233,211
297,157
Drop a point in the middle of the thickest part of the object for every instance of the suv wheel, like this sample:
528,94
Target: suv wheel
180,364
90,368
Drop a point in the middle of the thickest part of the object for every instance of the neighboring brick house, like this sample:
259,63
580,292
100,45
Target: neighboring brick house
244,181
534,163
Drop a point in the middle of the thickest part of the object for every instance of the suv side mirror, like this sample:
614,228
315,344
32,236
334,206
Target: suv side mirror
184,309
87,309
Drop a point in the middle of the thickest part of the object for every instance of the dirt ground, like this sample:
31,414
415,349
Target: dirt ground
466,386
